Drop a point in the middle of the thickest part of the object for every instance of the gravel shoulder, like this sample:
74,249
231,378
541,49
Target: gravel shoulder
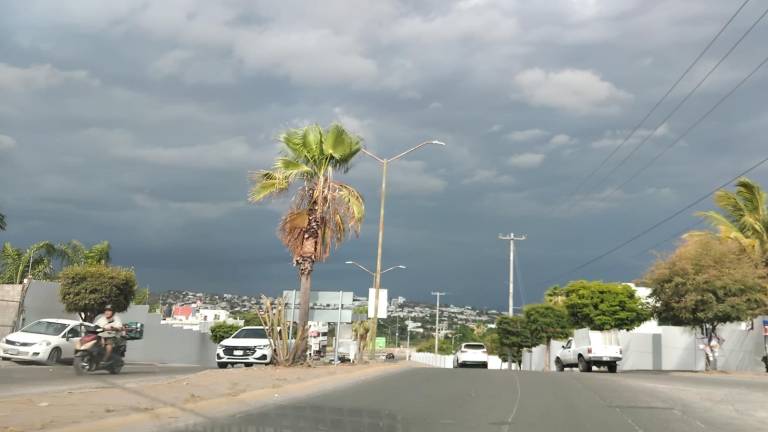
200,397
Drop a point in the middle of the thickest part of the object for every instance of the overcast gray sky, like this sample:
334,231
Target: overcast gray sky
137,122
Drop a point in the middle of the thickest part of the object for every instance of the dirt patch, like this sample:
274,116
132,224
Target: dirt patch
197,397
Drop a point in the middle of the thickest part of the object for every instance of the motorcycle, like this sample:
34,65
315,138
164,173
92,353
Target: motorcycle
89,353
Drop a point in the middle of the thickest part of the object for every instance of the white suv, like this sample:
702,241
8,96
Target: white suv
248,346
471,354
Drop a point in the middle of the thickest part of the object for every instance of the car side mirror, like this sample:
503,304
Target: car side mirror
562,346
134,331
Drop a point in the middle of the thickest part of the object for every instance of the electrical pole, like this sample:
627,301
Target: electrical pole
437,318
511,237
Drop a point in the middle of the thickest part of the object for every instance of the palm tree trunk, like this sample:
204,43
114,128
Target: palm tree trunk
306,263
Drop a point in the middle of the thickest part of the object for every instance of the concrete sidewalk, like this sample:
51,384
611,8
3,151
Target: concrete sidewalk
203,396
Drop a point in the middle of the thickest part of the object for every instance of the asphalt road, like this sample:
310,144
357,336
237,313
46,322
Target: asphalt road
423,399
18,379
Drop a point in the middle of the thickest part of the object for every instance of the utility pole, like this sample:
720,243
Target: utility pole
377,276
437,318
511,237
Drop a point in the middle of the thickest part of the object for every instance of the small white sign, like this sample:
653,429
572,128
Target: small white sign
382,302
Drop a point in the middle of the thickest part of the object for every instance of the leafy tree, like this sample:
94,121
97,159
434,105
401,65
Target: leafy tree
222,330
15,263
604,306
324,211
87,289
141,297
75,253
744,218
545,322
3,225
250,318
513,336
706,282
555,296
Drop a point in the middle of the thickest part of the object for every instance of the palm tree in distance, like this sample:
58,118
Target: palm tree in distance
743,217
324,212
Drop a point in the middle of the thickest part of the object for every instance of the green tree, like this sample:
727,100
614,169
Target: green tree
141,297
15,263
545,322
604,306
324,211
513,336
744,218
555,296
222,330
75,253
87,289
250,318
708,281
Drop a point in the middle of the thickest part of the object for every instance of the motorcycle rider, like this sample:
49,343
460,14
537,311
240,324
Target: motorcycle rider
113,328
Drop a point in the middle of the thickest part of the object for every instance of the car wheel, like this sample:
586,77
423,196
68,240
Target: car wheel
584,366
612,368
485,365
559,365
54,356
248,364
222,365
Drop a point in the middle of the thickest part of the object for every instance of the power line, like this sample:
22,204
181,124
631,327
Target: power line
660,101
685,99
657,224
674,236
690,128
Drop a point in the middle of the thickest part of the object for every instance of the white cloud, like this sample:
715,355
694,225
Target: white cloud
526,160
414,177
573,90
192,68
562,140
612,138
185,209
488,176
435,105
527,135
7,143
38,77
231,152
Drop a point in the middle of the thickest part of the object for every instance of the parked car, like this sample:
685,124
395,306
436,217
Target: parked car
47,340
471,354
248,346
588,348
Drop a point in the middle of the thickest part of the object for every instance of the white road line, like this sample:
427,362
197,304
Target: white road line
517,402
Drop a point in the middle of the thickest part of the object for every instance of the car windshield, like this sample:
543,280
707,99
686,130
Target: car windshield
474,346
48,328
250,333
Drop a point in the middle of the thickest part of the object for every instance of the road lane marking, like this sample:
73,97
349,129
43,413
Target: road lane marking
517,402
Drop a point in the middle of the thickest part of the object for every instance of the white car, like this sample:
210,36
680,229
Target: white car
248,346
471,354
44,341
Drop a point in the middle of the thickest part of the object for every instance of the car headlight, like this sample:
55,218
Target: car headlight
262,346
44,343
220,346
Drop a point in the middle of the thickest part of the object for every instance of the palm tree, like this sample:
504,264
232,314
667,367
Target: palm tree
744,217
2,222
75,253
16,263
324,212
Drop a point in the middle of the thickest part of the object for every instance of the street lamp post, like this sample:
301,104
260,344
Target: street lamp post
377,276
374,278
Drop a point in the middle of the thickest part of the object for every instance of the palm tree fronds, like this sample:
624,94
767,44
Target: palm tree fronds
268,183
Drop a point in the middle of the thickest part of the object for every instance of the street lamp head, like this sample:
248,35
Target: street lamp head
437,142
349,262
401,266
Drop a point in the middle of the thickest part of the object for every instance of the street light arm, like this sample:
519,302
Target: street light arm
392,268
363,268
415,148
380,160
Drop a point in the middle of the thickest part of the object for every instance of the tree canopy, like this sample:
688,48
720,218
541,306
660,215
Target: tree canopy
15,263
513,336
708,281
603,306
87,289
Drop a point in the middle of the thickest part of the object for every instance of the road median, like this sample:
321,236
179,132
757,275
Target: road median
199,397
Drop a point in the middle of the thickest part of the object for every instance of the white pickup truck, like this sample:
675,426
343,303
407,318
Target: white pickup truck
588,348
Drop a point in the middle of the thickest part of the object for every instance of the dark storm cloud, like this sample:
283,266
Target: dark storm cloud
137,122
